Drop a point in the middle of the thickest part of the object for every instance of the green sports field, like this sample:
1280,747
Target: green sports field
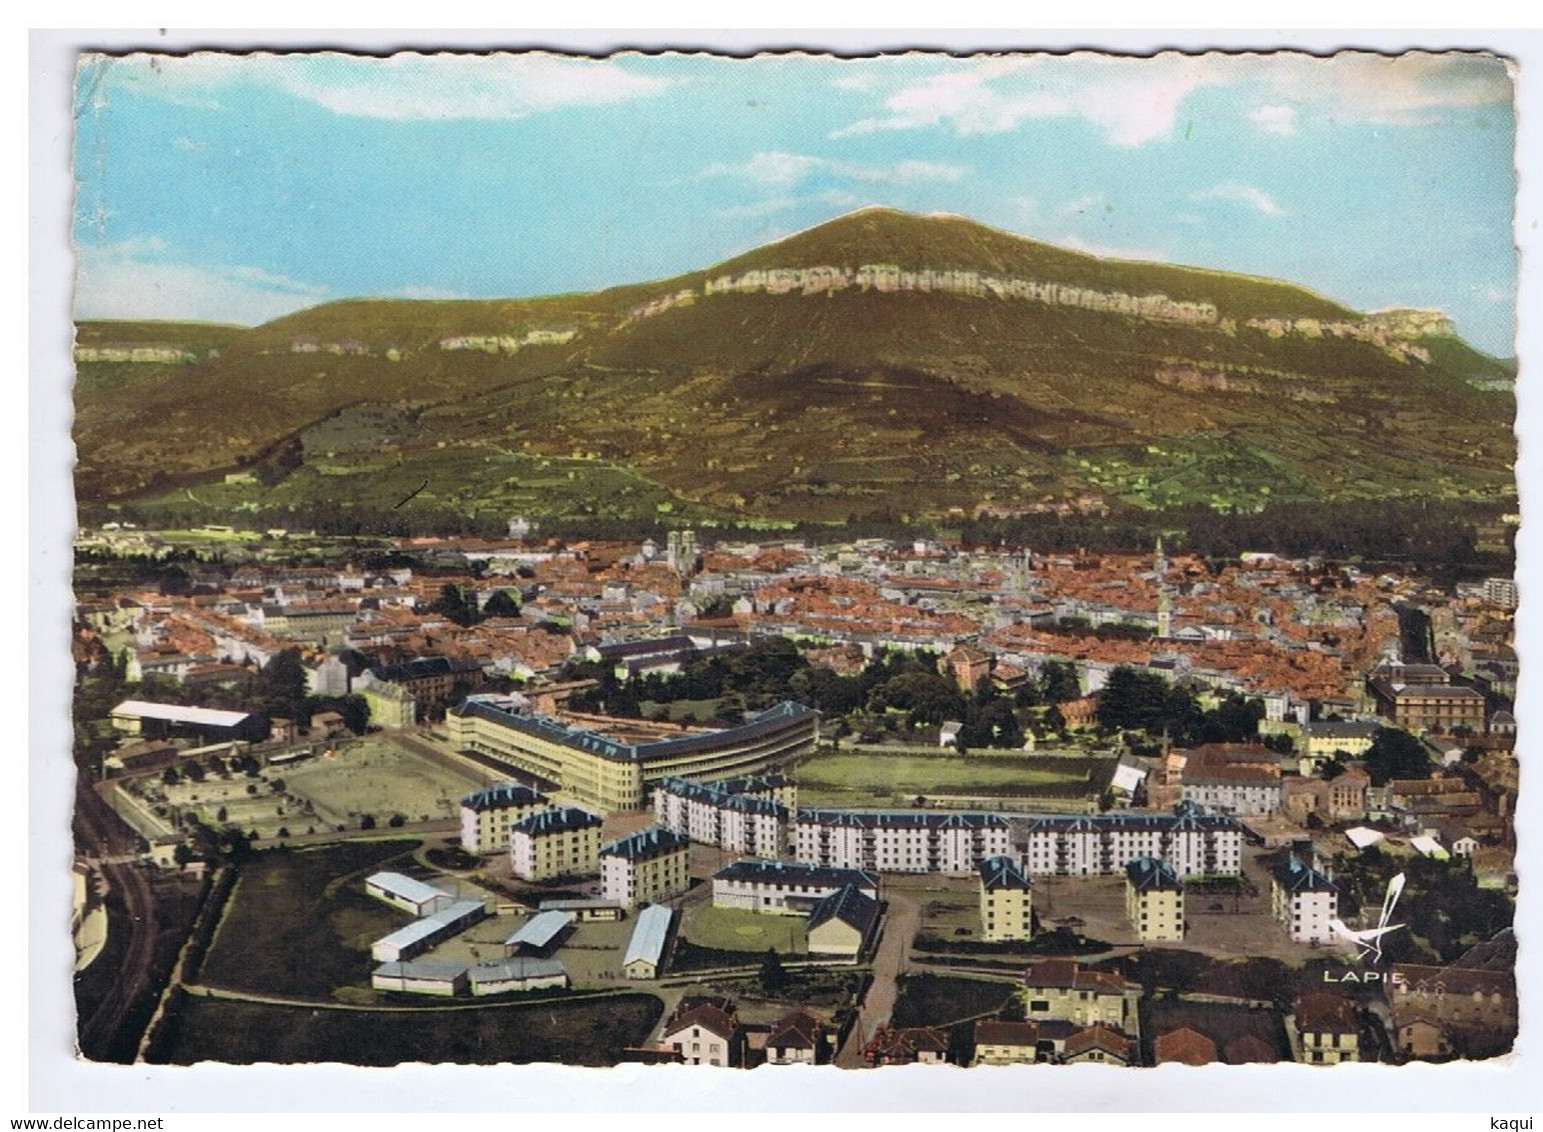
847,778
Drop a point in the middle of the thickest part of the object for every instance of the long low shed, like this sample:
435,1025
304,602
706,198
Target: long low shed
421,976
521,973
420,935
407,893
645,950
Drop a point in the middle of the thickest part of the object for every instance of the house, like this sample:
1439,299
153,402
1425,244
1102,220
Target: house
1438,708
1154,900
1249,1049
1063,989
1006,901
1097,1043
1421,1038
328,725
487,814
1328,1030
645,867
999,1042
948,734
561,841
644,957
910,1045
797,1038
1472,1000
1329,739
705,1031
968,666
1232,779
843,923
782,887
1184,1046
1305,900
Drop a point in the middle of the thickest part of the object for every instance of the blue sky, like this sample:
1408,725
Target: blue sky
238,188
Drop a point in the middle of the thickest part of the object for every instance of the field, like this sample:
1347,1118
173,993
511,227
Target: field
942,1000
583,1032
846,778
732,929
299,922
380,777
375,776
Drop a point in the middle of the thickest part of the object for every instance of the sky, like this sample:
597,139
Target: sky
239,188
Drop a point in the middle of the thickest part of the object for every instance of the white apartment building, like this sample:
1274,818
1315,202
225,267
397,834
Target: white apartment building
1305,900
781,888
899,842
743,815
488,814
1189,842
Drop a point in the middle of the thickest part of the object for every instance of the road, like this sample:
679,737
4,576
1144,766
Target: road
99,829
901,922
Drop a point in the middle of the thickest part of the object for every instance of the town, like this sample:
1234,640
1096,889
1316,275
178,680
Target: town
858,803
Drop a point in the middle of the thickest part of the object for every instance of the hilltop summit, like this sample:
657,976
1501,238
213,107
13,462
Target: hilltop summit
881,361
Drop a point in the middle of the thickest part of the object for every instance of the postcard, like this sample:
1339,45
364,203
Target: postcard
678,559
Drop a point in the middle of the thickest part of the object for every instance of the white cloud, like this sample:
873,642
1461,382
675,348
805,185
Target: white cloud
1397,90
134,279
1240,193
1278,119
784,170
1136,101
775,168
408,86
188,145
1131,101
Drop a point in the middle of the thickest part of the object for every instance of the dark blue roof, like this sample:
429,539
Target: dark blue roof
850,905
752,870
556,820
1149,874
1295,876
919,820
1003,872
768,722
651,842
501,795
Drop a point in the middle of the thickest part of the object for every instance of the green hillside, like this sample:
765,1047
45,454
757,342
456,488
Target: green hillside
806,406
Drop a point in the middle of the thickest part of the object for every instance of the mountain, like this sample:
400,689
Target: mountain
879,362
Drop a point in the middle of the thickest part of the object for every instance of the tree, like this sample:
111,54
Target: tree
454,603
503,603
1133,700
222,814
1058,682
1395,753
773,976
170,776
367,821
281,685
